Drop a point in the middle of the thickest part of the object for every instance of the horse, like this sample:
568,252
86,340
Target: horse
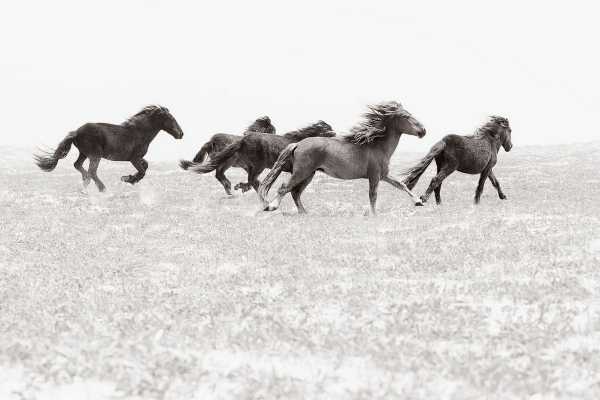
475,154
363,154
128,141
256,152
221,140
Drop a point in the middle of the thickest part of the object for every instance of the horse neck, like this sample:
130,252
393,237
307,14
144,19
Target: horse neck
387,144
147,132
494,144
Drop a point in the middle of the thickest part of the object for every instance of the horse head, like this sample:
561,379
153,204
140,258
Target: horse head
163,118
261,125
503,131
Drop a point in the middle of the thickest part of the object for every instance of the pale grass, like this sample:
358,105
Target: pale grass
170,290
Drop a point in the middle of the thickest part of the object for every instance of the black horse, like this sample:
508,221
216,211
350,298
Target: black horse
476,154
126,142
219,141
255,152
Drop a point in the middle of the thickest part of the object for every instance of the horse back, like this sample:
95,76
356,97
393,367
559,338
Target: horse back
113,142
260,149
471,154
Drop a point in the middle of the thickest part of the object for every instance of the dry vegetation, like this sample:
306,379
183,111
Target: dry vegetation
168,290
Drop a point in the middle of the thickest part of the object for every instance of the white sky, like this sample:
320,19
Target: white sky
219,65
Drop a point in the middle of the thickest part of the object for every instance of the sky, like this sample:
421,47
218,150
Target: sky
219,65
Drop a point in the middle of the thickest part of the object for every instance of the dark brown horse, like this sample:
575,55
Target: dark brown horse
219,141
255,152
365,153
476,154
126,142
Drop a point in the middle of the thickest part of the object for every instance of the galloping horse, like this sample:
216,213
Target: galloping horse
365,153
476,154
219,141
255,152
126,142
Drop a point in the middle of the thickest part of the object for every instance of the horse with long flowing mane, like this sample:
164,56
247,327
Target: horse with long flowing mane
219,141
128,141
365,153
256,152
475,154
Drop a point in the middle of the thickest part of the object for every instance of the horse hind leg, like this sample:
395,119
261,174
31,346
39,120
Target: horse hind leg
436,182
297,192
92,170
438,190
85,176
253,179
220,175
298,176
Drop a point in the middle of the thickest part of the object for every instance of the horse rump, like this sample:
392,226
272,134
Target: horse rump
285,157
215,160
413,174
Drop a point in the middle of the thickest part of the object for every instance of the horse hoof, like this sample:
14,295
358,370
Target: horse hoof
419,204
503,197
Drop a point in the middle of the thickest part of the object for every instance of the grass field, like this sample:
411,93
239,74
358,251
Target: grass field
170,290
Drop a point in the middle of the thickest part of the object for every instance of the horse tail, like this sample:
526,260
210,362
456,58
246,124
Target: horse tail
415,172
204,151
218,159
48,160
200,156
286,156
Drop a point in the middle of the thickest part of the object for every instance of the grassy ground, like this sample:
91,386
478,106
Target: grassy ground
169,290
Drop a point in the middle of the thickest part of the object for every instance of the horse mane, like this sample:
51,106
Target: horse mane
143,114
261,125
491,127
374,124
308,131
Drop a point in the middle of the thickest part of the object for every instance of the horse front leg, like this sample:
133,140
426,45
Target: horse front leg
252,183
141,166
482,178
496,184
399,185
373,184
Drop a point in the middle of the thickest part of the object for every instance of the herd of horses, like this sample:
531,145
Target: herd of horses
364,153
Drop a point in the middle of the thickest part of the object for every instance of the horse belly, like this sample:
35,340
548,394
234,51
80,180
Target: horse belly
473,165
473,159
342,170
